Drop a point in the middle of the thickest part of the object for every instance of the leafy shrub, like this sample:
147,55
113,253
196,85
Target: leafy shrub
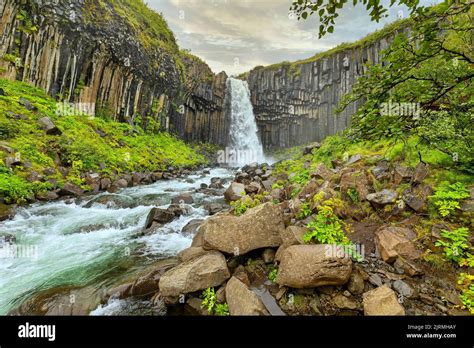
353,195
326,227
245,203
273,274
456,245
278,185
305,211
466,281
14,188
210,303
447,199
301,177
7,130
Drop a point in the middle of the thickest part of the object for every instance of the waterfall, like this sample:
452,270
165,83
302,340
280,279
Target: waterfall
244,144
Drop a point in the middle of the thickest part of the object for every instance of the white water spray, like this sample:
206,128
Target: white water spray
244,144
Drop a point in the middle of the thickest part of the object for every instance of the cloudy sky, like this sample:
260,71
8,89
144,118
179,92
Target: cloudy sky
237,35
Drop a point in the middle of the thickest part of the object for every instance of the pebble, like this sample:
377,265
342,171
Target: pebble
375,279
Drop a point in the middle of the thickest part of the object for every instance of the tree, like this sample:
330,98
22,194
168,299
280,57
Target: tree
328,10
429,66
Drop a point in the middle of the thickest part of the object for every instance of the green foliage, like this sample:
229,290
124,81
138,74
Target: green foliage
246,203
27,25
424,87
466,281
305,211
209,299
14,188
328,11
301,177
447,198
8,129
122,149
326,227
353,195
221,309
210,303
272,276
456,245
278,185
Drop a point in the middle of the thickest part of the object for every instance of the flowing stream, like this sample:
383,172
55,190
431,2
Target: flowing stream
244,140
86,244
83,243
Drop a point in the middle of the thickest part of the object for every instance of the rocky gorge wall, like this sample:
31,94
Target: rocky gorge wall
85,53
294,102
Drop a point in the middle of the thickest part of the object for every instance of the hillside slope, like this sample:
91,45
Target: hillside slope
117,57
44,154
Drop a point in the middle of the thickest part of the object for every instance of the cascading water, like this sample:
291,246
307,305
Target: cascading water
244,145
91,244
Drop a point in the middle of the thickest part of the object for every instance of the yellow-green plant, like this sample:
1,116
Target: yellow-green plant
210,303
466,281
447,198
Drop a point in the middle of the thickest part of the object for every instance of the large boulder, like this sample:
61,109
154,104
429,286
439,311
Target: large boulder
144,286
382,171
403,174
191,227
383,197
159,215
259,227
164,216
199,273
422,170
191,253
186,198
48,126
241,300
6,211
57,302
382,301
293,235
309,148
393,242
352,179
309,266
234,192
253,187
70,189
322,172
417,198
214,208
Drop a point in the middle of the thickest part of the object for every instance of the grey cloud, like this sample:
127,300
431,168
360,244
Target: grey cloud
237,35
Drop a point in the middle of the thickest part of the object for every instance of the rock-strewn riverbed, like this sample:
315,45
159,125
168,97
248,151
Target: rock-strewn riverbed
71,252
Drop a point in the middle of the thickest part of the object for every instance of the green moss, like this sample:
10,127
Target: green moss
122,149
150,26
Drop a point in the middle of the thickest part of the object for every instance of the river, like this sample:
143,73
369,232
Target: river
76,244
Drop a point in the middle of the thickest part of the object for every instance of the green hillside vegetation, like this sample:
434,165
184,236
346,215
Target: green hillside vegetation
149,27
86,144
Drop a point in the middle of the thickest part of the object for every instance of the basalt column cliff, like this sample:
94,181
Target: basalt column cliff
118,58
294,102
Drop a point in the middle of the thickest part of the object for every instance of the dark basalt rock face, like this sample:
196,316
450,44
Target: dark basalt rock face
66,48
78,56
294,104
